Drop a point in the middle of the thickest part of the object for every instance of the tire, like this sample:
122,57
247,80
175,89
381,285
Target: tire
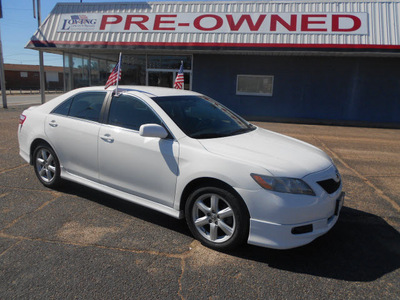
46,166
217,218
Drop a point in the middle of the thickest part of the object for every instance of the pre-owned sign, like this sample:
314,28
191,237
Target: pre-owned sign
319,23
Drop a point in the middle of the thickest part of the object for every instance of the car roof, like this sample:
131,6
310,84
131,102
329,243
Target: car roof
151,91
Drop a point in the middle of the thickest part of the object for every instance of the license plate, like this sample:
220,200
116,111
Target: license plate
339,203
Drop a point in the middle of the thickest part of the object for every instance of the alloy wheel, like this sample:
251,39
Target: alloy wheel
46,165
214,218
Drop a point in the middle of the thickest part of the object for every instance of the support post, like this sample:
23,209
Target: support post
41,64
2,77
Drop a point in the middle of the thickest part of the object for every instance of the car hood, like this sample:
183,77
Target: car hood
279,154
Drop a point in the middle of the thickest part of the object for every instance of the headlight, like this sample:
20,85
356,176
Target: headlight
283,184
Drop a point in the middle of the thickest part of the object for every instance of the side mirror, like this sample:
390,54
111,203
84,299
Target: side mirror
153,130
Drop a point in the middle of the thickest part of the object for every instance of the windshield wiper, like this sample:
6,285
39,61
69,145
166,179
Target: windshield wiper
207,135
241,130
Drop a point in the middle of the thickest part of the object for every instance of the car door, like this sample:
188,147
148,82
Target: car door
73,129
143,166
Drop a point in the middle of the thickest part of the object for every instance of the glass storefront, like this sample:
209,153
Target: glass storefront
133,69
152,70
162,70
80,66
157,78
100,70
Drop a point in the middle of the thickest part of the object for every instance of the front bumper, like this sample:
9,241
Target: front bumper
279,236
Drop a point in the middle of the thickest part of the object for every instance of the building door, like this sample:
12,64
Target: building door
166,78
161,78
161,70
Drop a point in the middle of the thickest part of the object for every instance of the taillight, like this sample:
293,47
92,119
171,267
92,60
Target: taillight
22,119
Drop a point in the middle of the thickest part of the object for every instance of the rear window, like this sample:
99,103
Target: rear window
83,106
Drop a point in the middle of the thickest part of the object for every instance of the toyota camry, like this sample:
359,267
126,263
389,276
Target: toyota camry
188,156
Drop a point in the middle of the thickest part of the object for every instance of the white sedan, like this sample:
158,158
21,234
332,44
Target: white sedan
186,155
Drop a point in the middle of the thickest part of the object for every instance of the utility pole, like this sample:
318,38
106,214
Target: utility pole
2,76
41,65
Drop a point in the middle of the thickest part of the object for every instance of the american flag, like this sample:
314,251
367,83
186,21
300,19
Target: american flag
179,80
115,75
79,17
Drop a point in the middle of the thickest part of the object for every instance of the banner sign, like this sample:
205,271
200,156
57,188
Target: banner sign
275,23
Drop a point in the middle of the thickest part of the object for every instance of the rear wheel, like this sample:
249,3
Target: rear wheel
46,165
217,218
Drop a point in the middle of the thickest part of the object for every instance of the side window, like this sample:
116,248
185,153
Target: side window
63,108
131,113
87,106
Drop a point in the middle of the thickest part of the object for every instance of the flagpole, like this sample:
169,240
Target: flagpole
183,83
119,70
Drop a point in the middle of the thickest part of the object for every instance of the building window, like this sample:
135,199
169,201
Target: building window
169,62
133,69
255,85
80,69
52,77
24,74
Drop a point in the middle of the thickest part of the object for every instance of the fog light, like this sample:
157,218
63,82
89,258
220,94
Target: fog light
302,229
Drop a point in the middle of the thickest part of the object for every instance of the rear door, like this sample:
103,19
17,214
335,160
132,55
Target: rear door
146,167
73,129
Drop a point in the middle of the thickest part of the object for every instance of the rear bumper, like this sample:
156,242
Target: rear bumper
23,145
25,156
279,236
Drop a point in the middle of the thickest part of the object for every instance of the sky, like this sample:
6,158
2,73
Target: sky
18,25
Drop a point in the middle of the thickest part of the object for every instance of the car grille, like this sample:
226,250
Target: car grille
329,185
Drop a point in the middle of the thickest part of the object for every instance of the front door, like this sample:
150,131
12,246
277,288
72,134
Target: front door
143,166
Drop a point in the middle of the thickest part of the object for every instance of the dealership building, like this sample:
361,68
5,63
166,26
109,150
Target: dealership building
303,61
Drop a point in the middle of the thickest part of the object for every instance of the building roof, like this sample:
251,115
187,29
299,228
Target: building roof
28,68
349,26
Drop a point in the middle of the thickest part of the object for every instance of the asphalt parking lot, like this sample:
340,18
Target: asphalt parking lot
78,243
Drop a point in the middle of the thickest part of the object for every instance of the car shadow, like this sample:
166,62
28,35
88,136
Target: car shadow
126,207
361,247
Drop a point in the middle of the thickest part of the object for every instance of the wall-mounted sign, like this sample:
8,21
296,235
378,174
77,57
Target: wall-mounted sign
266,23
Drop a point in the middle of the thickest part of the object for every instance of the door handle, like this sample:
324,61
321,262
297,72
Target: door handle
107,138
53,123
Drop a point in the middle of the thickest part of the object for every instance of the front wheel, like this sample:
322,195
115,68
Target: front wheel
217,218
46,165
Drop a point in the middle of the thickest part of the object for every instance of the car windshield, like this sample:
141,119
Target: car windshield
201,117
